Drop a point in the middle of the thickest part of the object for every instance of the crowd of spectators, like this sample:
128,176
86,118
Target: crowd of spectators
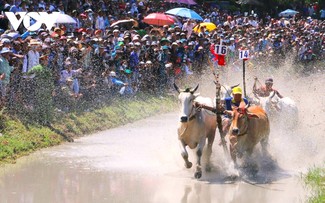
94,59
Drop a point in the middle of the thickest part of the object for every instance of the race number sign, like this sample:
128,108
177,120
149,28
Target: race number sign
220,49
243,54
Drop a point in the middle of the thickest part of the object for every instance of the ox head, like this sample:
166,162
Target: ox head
267,103
186,98
240,116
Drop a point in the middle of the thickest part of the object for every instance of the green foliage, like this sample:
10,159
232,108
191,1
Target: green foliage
316,179
19,138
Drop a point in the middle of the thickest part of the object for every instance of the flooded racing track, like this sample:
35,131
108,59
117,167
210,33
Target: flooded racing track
141,162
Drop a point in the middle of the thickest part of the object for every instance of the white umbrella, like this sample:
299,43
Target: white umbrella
63,18
288,13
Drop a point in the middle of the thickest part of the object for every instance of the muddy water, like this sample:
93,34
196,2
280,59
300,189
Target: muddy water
140,162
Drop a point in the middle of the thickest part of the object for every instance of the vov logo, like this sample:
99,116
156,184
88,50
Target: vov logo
25,18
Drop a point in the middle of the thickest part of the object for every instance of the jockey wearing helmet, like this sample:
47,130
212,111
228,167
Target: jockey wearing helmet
265,91
236,100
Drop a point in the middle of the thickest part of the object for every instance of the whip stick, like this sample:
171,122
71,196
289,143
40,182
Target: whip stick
218,107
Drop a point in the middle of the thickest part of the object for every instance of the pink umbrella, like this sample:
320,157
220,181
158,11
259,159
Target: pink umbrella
159,19
188,2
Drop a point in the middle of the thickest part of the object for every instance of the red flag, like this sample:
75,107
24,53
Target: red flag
221,60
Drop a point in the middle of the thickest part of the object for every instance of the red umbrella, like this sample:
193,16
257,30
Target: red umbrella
159,19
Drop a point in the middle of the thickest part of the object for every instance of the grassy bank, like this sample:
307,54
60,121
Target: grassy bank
19,138
315,178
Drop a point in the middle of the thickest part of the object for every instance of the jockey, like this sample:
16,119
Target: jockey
265,91
236,100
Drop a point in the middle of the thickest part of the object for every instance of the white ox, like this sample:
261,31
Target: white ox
195,127
282,110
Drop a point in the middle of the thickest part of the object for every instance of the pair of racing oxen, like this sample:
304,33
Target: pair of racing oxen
249,125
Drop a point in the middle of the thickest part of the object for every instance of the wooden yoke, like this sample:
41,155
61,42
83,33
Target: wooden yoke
218,107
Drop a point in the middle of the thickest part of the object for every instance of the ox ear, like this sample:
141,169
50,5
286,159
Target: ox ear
251,115
196,95
176,88
193,90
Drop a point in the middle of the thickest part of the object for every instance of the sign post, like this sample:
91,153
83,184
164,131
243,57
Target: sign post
244,80
244,55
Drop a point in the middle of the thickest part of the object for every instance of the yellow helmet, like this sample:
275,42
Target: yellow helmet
237,90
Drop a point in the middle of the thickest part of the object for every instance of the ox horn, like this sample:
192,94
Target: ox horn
247,105
193,90
256,96
176,88
232,87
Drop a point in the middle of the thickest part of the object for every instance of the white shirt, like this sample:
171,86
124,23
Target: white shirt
66,74
25,64
189,28
33,59
253,23
100,23
207,20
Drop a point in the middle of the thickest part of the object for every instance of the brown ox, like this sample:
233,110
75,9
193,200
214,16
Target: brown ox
250,125
195,127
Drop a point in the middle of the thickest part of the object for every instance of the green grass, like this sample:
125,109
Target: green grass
19,138
315,178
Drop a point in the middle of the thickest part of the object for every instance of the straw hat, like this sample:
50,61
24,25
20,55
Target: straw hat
34,42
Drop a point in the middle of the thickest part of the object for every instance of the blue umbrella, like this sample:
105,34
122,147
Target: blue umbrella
288,12
185,12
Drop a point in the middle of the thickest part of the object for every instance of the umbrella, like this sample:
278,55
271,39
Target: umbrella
63,18
188,2
250,2
288,12
126,23
159,19
185,12
208,26
14,35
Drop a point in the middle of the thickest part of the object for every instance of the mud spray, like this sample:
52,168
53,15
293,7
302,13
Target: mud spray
292,151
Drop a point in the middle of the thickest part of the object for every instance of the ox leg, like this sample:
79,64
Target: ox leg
184,154
209,150
198,170
264,145
232,147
